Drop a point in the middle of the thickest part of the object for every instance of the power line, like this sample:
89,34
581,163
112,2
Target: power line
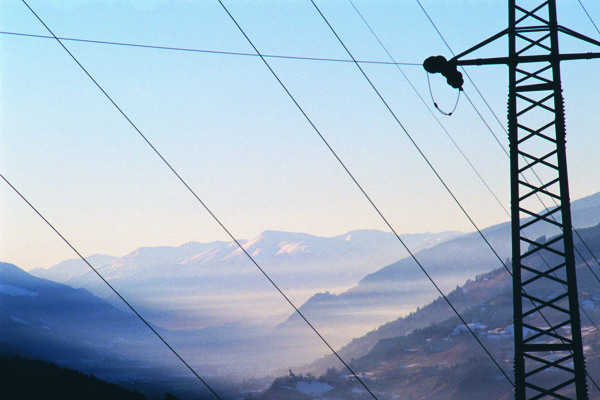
158,335
481,117
496,138
535,174
543,317
502,146
414,143
459,149
215,218
468,77
181,178
328,146
363,192
462,153
589,16
432,114
397,120
439,177
428,109
190,50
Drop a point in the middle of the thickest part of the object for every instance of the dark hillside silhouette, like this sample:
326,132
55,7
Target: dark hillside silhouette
25,379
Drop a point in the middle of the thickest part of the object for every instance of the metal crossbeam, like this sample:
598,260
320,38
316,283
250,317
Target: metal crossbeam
530,104
549,362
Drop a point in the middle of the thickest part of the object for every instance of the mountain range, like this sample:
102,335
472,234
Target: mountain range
214,306
40,319
397,289
199,285
430,354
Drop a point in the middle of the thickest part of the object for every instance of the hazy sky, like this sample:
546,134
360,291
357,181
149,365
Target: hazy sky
233,134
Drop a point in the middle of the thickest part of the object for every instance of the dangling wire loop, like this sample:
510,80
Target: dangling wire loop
435,104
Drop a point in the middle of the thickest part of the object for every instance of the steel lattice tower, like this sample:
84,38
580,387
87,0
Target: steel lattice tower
549,361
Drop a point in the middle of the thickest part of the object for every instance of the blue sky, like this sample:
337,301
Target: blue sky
231,131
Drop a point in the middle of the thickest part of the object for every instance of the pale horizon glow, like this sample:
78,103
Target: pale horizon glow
229,129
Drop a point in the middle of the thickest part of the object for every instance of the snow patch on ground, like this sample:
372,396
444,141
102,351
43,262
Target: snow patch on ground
475,326
18,320
314,388
289,248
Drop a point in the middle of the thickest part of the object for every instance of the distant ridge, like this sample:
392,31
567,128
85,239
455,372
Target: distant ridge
398,288
300,263
211,298
493,287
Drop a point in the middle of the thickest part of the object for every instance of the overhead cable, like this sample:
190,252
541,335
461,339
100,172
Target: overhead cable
589,16
525,178
439,177
441,180
183,49
128,304
502,146
468,77
208,210
428,109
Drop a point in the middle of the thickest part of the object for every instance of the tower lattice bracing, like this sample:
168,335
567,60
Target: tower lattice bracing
549,361
548,347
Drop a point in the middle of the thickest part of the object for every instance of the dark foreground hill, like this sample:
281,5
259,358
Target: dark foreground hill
40,319
25,379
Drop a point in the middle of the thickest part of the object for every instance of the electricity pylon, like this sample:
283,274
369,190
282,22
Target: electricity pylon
549,361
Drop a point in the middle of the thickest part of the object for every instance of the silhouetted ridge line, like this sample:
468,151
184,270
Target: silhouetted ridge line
24,378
